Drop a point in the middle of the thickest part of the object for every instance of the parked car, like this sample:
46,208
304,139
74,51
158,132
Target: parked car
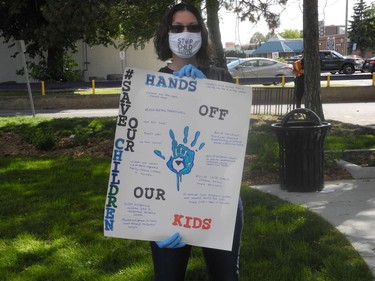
259,67
369,65
333,62
359,61
292,59
230,59
296,57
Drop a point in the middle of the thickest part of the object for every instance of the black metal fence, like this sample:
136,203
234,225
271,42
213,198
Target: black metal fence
280,100
272,101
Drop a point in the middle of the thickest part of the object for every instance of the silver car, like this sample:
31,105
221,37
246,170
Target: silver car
259,67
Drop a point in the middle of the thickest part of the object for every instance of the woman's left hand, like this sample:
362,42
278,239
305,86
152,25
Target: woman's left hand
172,242
189,70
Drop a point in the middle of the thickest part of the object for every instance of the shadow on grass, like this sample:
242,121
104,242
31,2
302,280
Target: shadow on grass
51,228
52,212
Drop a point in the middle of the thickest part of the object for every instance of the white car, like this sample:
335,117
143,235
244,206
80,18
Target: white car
230,59
259,67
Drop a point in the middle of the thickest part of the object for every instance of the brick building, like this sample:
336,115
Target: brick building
332,42
332,37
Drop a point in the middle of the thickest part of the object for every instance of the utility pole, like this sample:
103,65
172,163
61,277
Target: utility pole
346,30
23,50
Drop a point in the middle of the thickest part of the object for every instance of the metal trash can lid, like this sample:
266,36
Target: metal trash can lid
311,116
311,120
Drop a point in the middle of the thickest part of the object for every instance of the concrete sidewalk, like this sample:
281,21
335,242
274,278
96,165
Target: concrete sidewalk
361,114
348,205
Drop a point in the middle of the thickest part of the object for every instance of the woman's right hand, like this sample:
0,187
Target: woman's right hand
189,70
172,242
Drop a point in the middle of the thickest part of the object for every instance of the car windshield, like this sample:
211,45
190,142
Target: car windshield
234,63
338,54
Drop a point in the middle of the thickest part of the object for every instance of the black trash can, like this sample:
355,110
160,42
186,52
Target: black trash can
301,136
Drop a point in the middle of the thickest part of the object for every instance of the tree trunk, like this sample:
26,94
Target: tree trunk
55,63
311,57
212,7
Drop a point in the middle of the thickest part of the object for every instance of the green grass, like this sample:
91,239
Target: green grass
340,137
51,219
43,132
51,229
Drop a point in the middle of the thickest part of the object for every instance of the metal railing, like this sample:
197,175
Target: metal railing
285,79
272,101
280,100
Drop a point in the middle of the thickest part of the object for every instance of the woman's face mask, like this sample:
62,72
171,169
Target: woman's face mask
185,44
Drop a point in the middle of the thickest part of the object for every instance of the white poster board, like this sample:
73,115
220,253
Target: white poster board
177,159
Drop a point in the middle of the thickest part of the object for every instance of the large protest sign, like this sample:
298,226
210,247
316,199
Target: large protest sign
177,159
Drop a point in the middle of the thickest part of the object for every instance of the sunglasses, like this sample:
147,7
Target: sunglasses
178,28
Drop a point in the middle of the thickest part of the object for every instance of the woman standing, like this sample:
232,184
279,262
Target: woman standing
183,38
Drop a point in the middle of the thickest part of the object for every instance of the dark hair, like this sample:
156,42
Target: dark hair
161,39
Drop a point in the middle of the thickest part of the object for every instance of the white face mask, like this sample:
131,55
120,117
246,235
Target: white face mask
185,44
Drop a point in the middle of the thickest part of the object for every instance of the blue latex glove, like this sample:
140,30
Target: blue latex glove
171,242
189,70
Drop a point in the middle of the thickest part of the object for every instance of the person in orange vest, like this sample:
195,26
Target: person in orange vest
299,81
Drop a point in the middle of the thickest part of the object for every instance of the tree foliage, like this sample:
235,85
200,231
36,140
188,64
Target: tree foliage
255,10
140,20
257,38
370,26
291,34
361,27
49,28
251,10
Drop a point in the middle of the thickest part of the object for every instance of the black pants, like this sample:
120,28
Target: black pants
170,264
299,89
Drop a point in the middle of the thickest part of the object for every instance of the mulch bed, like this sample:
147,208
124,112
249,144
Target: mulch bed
11,144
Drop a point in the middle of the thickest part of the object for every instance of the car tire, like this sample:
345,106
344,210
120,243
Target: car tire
348,69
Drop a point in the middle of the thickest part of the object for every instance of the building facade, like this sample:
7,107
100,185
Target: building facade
332,42
97,62
330,38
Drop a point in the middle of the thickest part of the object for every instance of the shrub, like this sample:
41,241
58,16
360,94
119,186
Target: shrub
43,140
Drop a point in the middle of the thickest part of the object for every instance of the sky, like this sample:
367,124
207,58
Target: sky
331,11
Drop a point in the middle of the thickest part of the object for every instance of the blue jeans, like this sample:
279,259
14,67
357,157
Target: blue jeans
170,264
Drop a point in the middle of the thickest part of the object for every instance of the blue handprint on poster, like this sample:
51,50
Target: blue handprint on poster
181,162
